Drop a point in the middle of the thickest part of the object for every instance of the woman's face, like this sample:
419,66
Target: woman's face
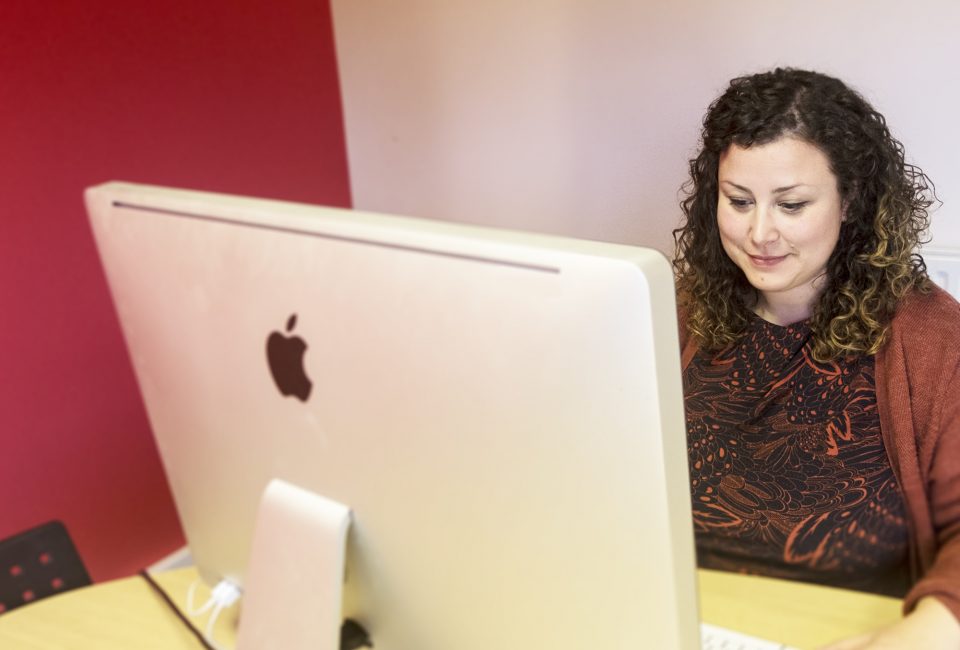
779,215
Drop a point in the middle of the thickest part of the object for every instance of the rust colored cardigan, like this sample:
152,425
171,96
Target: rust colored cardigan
918,398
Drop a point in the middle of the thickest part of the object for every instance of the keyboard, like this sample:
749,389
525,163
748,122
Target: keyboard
720,638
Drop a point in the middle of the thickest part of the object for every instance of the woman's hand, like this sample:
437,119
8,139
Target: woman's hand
930,626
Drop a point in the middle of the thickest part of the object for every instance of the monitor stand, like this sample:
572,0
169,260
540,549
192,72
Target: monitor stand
293,592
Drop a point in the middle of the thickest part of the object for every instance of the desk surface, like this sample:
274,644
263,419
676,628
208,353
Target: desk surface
127,614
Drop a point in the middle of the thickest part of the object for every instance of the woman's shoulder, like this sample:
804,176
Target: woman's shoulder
934,311
926,328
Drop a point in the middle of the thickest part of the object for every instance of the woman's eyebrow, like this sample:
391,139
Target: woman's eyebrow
739,187
779,190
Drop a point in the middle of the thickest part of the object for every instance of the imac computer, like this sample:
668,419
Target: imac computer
501,412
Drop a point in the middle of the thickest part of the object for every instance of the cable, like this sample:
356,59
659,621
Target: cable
176,610
191,592
222,596
352,635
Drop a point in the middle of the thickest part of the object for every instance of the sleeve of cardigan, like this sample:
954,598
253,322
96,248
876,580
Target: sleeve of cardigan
942,580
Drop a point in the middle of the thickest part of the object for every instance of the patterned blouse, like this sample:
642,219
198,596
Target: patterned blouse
788,469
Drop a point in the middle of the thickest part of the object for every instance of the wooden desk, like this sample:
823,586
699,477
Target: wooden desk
122,614
797,614
127,614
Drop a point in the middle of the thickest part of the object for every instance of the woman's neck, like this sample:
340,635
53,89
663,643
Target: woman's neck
782,311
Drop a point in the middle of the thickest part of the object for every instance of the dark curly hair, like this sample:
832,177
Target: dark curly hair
875,262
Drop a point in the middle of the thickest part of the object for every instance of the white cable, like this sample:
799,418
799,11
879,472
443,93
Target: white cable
226,593
211,621
191,594
223,596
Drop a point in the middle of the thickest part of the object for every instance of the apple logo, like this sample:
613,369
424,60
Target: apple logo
285,358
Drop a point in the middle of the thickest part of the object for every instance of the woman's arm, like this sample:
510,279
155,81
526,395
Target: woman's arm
930,626
941,457
933,604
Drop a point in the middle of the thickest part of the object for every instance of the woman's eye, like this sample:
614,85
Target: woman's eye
739,204
793,207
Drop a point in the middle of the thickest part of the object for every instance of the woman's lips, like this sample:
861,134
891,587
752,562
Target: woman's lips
766,261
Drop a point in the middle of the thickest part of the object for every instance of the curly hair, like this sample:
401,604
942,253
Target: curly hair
875,262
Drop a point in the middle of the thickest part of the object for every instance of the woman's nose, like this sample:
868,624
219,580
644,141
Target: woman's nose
763,229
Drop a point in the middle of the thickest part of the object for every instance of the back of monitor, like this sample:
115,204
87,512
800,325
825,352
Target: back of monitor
501,411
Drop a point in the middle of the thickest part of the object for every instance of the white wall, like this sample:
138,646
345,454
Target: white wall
578,117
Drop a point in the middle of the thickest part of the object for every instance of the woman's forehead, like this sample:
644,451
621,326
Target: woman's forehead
783,163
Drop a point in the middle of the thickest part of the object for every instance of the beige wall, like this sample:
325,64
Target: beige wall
578,116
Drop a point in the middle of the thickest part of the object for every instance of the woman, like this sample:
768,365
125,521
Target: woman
821,365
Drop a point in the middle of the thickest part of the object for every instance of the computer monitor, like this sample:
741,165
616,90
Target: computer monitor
501,411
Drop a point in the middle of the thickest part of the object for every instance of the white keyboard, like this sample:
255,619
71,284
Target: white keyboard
720,638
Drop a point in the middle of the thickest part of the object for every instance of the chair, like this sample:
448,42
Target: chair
37,563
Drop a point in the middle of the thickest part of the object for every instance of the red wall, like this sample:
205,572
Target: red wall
225,95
